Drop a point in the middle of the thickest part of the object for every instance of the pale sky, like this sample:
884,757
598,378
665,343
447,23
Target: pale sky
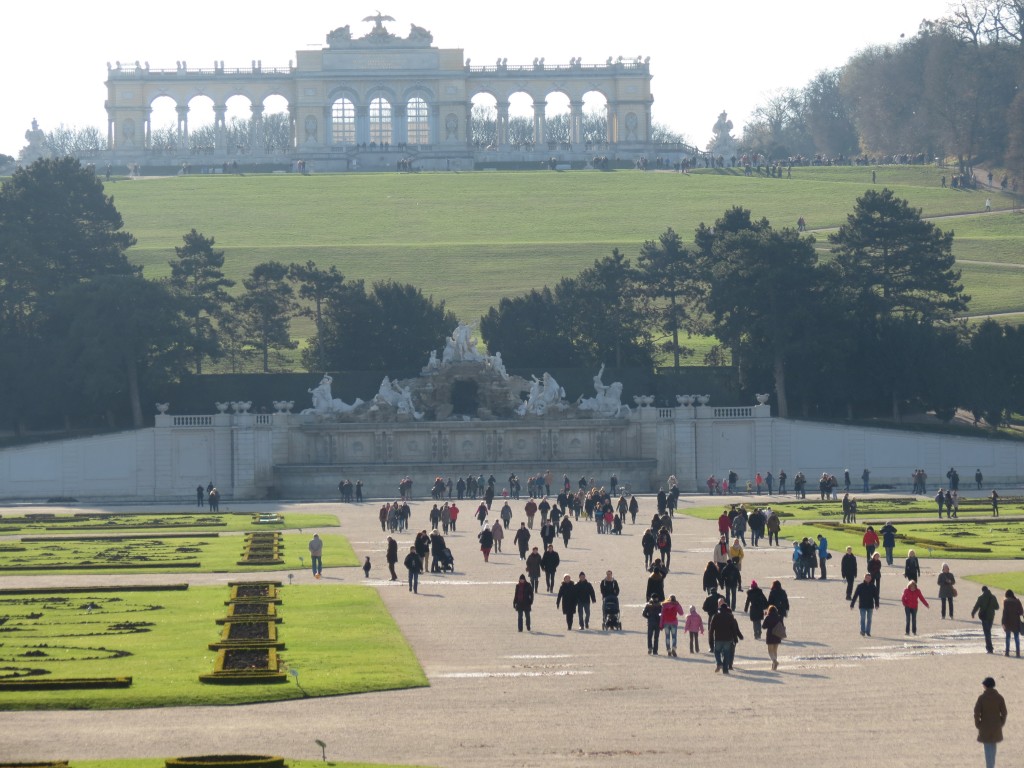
705,57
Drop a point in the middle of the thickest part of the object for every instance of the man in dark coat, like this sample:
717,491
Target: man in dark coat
584,598
848,570
986,608
522,601
723,634
392,557
549,564
565,528
989,718
566,600
533,565
522,539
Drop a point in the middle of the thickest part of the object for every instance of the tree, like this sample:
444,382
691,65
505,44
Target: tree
529,330
557,128
827,117
395,327
200,285
595,126
73,141
520,131
604,316
265,310
668,275
764,294
484,126
318,286
895,274
116,333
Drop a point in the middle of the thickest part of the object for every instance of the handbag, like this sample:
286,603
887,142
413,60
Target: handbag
954,592
779,630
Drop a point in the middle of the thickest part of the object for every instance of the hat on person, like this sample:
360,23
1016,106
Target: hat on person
988,682
753,584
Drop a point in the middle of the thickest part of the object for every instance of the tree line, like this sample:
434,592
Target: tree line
951,90
868,323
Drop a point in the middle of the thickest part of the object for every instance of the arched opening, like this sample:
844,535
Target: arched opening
163,125
594,130
238,126
484,121
274,130
380,121
557,123
520,121
417,121
465,397
343,122
202,134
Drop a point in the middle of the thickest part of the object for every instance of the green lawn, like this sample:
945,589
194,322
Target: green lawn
868,508
360,649
18,524
214,554
1000,582
473,238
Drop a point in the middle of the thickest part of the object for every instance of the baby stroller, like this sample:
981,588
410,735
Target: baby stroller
447,561
610,613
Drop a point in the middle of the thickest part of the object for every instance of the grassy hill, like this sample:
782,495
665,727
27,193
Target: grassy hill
472,238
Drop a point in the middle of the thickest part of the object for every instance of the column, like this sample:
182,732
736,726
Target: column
362,124
183,129
110,131
219,129
612,132
576,122
293,121
256,130
147,128
539,130
399,125
501,125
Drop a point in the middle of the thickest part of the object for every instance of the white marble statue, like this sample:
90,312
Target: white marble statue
607,400
324,403
391,393
545,395
461,346
495,363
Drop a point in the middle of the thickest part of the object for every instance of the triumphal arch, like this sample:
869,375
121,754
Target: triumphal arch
360,97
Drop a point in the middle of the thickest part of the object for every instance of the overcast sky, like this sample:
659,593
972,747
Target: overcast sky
705,57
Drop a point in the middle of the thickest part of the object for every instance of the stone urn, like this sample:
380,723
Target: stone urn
222,407
162,408
703,399
762,399
684,400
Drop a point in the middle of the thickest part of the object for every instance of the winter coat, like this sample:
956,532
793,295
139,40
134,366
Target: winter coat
780,600
549,561
1012,611
566,598
670,613
652,612
609,588
986,606
694,623
585,592
990,716
865,596
523,599
911,598
712,578
533,565
912,569
756,604
946,582
771,621
656,587
723,628
848,566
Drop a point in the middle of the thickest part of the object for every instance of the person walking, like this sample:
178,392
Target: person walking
848,570
730,580
566,600
664,541
656,586
985,609
888,532
875,569
774,631
584,598
947,589
870,541
989,719
497,533
652,612
565,528
912,598
777,596
995,503
486,542
978,478
533,568
755,606
670,611
1012,613
414,564
522,539
522,601
773,525
549,563
865,597
694,626
391,556
316,555
912,567
724,634
865,478
712,578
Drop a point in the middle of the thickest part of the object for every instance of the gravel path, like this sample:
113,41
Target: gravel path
558,698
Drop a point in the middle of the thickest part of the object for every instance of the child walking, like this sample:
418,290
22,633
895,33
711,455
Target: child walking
694,624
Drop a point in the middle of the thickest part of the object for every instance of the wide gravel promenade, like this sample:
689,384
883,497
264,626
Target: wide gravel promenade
557,698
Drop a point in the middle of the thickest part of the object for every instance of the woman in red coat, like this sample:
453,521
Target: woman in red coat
912,597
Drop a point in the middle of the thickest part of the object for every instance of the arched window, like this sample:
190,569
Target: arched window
343,122
419,126
380,121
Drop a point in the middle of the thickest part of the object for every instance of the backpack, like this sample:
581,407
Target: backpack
662,540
